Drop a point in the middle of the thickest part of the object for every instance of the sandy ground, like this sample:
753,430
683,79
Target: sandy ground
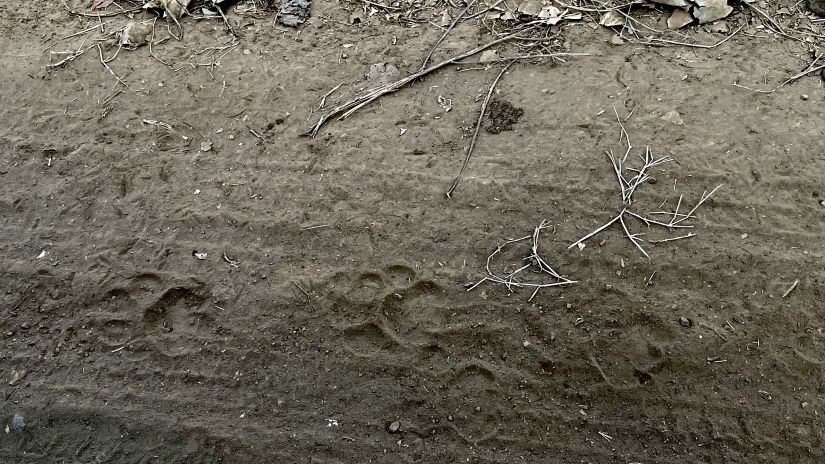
119,346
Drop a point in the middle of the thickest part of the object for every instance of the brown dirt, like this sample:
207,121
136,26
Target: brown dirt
123,347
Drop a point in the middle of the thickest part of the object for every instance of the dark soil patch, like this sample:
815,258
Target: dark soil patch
502,116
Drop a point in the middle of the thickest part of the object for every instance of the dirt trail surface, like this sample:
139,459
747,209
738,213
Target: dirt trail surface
329,321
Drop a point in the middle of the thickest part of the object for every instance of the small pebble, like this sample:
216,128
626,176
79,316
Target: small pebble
526,343
450,418
17,423
394,427
478,408
247,51
569,305
804,97
684,322
804,404
822,203
25,326
608,287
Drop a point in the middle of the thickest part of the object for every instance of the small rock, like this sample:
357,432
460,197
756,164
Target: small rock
804,404
450,418
822,203
247,51
685,322
805,97
25,326
526,343
206,146
17,376
569,305
17,423
530,8
708,11
679,19
478,408
612,19
720,27
394,427
674,117
608,287
489,55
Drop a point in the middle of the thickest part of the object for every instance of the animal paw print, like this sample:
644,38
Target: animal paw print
401,308
169,318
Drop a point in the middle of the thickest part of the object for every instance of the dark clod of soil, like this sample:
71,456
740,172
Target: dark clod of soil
502,116
817,6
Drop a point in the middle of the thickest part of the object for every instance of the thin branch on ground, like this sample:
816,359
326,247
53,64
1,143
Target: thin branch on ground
534,260
477,129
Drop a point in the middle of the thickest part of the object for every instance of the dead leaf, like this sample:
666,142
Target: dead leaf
489,55
530,8
100,4
611,19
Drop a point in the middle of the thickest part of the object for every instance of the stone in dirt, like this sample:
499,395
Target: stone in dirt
135,34
708,11
293,13
678,3
679,19
17,423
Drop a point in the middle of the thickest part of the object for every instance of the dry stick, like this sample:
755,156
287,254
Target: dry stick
88,29
591,234
657,41
484,11
623,133
705,197
650,279
522,57
100,14
324,98
225,21
649,221
508,280
357,103
810,69
779,29
689,235
478,128
598,10
72,56
788,292
106,64
446,31
152,41
633,237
